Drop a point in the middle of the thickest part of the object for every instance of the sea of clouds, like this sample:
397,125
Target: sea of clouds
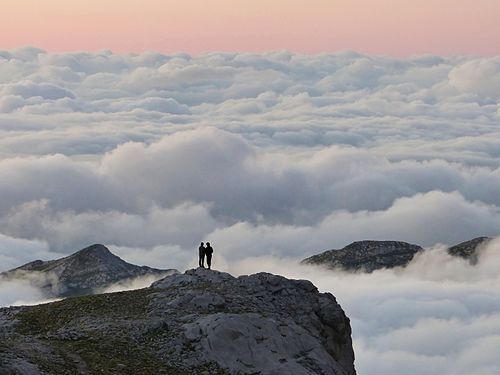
269,156
438,316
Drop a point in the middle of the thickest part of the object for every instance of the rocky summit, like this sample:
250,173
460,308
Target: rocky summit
94,267
367,256
469,249
199,322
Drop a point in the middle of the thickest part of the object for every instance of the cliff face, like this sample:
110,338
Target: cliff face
81,273
200,322
367,256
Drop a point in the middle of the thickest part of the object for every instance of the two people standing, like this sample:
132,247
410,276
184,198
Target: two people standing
205,251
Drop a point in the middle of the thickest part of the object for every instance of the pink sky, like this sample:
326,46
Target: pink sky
393,27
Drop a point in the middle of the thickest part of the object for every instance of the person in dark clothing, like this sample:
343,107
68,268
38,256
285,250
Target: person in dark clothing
201,255
208,253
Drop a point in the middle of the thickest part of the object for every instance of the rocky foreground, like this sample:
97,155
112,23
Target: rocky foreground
199,322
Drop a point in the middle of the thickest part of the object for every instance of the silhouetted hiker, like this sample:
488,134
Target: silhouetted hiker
208,253
201,254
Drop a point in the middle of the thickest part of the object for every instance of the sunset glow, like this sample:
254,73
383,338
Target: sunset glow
394,27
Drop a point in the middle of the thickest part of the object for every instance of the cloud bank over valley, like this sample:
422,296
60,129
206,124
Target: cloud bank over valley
437,316
272,158
274,153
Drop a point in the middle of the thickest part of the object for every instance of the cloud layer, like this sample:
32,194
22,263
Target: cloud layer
438,316
266,155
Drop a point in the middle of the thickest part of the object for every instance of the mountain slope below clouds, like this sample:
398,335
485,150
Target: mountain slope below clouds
94,267
469,249
200,322
367,256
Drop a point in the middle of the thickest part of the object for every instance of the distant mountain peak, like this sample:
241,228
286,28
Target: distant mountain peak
469,249
97,252
367,255
385,245
94,249
370,255
94,267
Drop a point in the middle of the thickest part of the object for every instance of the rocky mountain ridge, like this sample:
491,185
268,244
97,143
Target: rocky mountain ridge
368,256
83,272
199,322
469,249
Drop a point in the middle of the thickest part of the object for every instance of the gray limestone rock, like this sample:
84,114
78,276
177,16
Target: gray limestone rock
252,343
201,322
192,277
19,366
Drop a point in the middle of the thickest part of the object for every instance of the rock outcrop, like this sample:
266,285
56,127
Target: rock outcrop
199,322
94,267
367,256
469,249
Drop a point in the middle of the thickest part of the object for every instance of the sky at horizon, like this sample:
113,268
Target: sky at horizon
389,27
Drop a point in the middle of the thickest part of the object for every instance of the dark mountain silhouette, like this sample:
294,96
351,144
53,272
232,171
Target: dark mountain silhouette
367,256
83,272
469,249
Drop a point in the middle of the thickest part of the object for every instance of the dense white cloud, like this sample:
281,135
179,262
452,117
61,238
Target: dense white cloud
20,292
137,192
480,77
375,100
263,154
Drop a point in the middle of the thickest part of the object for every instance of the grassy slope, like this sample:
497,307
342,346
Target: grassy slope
116,350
